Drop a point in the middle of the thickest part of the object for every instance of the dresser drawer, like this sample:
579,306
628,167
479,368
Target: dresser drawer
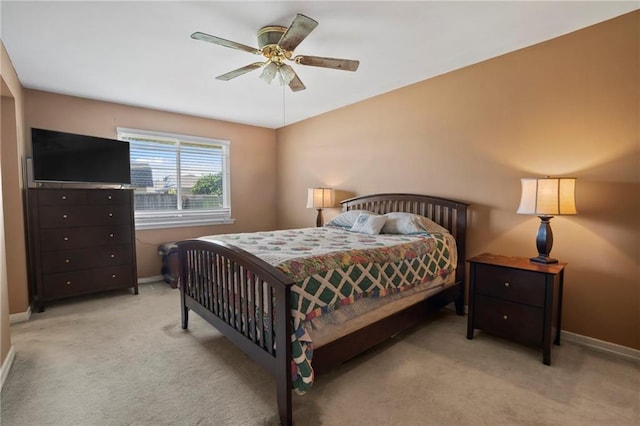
64,197
66,284
510,284
109,196
518,322
71,260
72,238
88,215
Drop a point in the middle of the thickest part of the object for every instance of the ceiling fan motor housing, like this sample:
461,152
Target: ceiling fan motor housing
271,34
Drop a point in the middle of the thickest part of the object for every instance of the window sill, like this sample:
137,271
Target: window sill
179,223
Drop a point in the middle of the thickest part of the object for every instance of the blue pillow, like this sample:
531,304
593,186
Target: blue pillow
346,220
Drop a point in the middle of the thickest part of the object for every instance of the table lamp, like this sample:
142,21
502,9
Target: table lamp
547,197
320,198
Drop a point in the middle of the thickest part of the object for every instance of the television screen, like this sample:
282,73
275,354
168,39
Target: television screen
67,157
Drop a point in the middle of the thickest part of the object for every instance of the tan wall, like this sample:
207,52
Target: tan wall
12,193
5,332
252,153
13,289
568,107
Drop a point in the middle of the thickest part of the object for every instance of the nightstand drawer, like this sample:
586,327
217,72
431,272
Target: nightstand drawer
518,322
510,284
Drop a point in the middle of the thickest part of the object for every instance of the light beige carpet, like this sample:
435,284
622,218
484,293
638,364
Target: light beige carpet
120,359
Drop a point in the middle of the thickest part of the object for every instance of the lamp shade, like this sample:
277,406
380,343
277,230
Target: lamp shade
320,198
548,196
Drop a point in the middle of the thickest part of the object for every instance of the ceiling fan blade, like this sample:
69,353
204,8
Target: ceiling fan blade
298,30
338,64
223,42
236,73
296,84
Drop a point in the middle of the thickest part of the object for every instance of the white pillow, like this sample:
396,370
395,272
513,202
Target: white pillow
368,224
432,227
346,219
409,223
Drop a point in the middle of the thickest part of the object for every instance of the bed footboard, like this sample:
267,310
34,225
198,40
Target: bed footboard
247,300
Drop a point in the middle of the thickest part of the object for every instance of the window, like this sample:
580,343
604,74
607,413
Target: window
178,180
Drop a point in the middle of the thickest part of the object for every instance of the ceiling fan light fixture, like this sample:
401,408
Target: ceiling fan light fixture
286,74
269,72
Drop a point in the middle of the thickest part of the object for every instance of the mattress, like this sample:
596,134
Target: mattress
335,268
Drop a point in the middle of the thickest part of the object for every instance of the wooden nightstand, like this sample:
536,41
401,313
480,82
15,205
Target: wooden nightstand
517,299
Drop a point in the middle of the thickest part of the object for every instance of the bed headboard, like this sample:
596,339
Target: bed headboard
450,214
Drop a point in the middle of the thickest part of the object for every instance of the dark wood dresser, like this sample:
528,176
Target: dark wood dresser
515,298
81,241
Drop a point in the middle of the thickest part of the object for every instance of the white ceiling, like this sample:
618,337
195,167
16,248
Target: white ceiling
140,52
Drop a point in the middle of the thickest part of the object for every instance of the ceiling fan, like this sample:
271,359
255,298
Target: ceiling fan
277,45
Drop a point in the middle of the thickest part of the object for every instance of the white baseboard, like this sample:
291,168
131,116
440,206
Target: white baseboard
20,316
601,345
6,366
153,279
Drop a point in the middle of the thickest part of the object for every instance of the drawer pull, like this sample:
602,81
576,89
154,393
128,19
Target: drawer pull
506,317
110,214
64,216
110,235
109,197
113,256
67,261
66,238
64,197
506,284
68,282
113,276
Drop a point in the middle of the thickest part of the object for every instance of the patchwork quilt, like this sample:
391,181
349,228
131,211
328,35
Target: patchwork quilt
334,267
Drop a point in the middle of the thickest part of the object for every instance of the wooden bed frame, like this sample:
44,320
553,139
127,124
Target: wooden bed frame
216,277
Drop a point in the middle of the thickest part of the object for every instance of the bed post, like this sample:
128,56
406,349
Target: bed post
185,312
461,238
182,256
283,354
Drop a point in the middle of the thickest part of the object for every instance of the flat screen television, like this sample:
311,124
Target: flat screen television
67,157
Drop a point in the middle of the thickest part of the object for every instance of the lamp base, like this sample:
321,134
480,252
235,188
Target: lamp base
319,219
543,259
544,242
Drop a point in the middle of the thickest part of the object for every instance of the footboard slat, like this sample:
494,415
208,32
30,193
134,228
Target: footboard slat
244,302
259,311
253,329
208,289
235,297
225,291
269,319
218,288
